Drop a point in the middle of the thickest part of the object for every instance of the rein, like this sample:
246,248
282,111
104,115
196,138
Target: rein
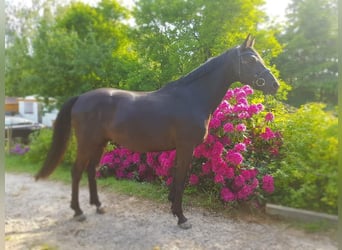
259,80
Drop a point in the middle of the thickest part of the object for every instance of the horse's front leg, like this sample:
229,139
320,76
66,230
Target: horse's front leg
178,185
171,195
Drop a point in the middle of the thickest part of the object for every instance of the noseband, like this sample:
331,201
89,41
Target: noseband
259,80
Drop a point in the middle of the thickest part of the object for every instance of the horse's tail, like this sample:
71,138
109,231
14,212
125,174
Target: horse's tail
60,138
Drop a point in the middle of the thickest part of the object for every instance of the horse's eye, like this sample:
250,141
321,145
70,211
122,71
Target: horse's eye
252,59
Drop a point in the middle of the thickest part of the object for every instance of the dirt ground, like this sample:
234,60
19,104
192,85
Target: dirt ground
37,216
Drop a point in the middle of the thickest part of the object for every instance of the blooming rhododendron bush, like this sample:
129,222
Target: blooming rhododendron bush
232,161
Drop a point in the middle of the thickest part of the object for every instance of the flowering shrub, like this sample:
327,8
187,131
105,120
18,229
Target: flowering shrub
19,149
232,160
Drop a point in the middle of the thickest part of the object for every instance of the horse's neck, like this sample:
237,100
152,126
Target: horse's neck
209,90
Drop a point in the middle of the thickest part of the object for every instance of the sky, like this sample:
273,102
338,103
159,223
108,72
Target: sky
274,8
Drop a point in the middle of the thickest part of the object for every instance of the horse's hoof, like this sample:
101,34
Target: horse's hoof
100,210
185,225
80,217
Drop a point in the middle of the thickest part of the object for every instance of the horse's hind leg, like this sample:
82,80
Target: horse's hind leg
76,174
94,198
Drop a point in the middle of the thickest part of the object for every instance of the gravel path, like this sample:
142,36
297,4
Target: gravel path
37,216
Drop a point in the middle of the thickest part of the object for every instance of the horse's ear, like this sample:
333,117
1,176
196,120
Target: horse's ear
248,43
252,42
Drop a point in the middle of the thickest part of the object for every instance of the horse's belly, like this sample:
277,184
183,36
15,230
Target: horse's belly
143,139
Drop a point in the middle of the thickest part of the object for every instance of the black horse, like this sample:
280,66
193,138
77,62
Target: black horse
173,117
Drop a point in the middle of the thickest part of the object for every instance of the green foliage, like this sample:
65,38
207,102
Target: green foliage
309,59
306,177
180,35
79,47
40,144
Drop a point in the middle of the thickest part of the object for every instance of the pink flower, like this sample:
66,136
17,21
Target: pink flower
255,183
243,115
268,134
260,107
248,90
228,172
217,149
210,139
241,95
274,151
224,107
206,167
253,109
268,183
142,168
198,151
165,160
247,141
228,127
244,192
241,127
269,117
235,158
193,180
227,195
214,123
107,158
240,147
136,158
249,174
240,107
220,116
229,94
219,179
225,140
239,181
169,181
150,159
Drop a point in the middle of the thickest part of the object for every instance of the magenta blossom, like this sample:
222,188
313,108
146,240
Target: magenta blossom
268,134
235,158
214,123
244,192
241,127
239,181
193,180
228,127
268,183
227,195
240,147
269,117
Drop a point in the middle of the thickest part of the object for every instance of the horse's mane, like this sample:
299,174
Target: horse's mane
198,72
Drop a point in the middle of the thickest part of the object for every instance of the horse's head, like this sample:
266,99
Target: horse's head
252,70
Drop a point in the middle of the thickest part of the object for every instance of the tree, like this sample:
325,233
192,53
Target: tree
179,35
82,48
309,60
20,30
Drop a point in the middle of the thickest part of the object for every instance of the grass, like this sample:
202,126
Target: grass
159,193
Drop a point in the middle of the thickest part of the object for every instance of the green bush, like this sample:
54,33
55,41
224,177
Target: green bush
40,144
306,176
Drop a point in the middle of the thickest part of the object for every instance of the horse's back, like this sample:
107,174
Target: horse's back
132,119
